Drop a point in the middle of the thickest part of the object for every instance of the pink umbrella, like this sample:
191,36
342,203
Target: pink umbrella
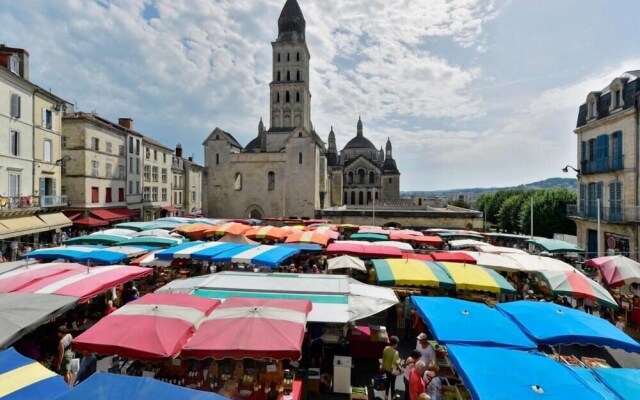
251,328
154,327
617,270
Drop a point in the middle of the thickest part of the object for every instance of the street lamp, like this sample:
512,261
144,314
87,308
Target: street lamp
566,169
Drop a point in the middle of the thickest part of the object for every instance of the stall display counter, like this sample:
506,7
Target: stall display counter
367,343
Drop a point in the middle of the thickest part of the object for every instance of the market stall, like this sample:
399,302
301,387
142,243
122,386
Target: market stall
151,328
346,262
263,255
367,342
268,233
476,278
410,272
322,239
22,378
363,249
575,284
97,238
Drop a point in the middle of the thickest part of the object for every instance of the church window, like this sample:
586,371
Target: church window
288,75
288,59
298,75
345,198
278,76
350,178
361,198
300,134
372,177
278,57
299,158
217,158
368,197
286,97
353,197
238,182
297,97
278,97
376,196
361,175
271,180
298,56
390,180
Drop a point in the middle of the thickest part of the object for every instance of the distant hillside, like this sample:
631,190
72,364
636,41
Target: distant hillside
471,194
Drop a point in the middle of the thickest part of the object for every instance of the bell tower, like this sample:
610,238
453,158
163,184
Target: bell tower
290,97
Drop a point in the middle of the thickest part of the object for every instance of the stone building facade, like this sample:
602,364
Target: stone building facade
607,138
287,170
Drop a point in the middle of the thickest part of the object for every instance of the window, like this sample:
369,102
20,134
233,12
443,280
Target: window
63,167
286,97
130,187
217,158
108,147
297,97
277,97
95,144
107,196
372,177
64,141
193,196
238,181
147,194
164,194
47,119
350,178
137,147
271,180
594,193
138,166
94,168
361,175
278,57
14,65
299,158
164,175
14,184
592,106
137,187
121,194
353,197
147,173
95,194
46,156
154,193
131,164
390,180
155,155
298,56
288,75
15,105
164,158
361,198
298,75
130,145
121,172
615,201
121,150
14,143
148,153
175,197
109,173
278,76
616,150
154,174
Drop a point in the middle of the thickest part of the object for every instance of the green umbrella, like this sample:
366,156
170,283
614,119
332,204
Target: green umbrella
152,241
136,226
97,238
369,237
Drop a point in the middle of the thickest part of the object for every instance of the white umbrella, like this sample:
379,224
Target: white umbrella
346,262
488,248
531,263
153,232
466,243
116,231
496,262
392,243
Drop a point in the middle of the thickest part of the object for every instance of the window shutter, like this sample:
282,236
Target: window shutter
599,191
44,118
584,151
612,195
581,200
54,190
42,187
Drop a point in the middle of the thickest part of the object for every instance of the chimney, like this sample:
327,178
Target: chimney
15,60
126,122
179,150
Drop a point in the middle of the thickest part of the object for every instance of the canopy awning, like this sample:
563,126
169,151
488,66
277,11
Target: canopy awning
452,257
108,215
169,208
411,272
553,324
90,222
127,212
269,256
56,220
474,277
22,378
555,246
112,255
97,238
251,328
229,227
624,382
363,249
369,237
346,262
207,253
152,241
182,250
536,263
267,232
71,253
523,375
104,386
497,262
335,298
22,226
193,231
157,326
68,279
20,313
454,321
309,237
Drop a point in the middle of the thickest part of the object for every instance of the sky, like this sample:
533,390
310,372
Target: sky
472,93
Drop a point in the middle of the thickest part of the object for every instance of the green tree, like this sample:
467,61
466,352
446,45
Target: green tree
460,203
549,212
509,214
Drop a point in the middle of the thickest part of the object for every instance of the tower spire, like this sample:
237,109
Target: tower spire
291,24
359,126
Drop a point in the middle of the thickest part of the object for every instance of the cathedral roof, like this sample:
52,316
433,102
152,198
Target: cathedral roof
291,24
292,10
390,166
360,142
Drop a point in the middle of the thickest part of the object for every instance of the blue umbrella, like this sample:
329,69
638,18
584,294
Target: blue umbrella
22,378
622,381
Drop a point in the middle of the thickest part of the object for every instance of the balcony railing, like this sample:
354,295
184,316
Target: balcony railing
54,201
605,164
607,214
17,202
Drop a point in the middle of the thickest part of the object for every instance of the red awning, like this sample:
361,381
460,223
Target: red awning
125,211
453,257
72,214
108,215
90,222
169,208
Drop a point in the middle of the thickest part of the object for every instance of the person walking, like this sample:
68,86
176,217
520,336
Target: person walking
427,352
416,383
433,382
391,365
65,355
410,364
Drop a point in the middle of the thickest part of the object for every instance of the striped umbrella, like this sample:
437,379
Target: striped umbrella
411,272
229,227
576,284
474,277
617,270
22,378
267,232
194,231
308,237
330,231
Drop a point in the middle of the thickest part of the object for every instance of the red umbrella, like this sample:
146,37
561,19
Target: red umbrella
453,257
363,250
89,221
154,327
418,256
69,279
251,328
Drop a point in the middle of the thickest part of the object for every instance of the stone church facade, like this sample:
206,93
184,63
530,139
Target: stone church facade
287,171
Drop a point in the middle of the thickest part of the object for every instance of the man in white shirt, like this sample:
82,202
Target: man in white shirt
427,352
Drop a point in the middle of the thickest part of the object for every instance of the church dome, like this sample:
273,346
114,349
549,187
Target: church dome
360,142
